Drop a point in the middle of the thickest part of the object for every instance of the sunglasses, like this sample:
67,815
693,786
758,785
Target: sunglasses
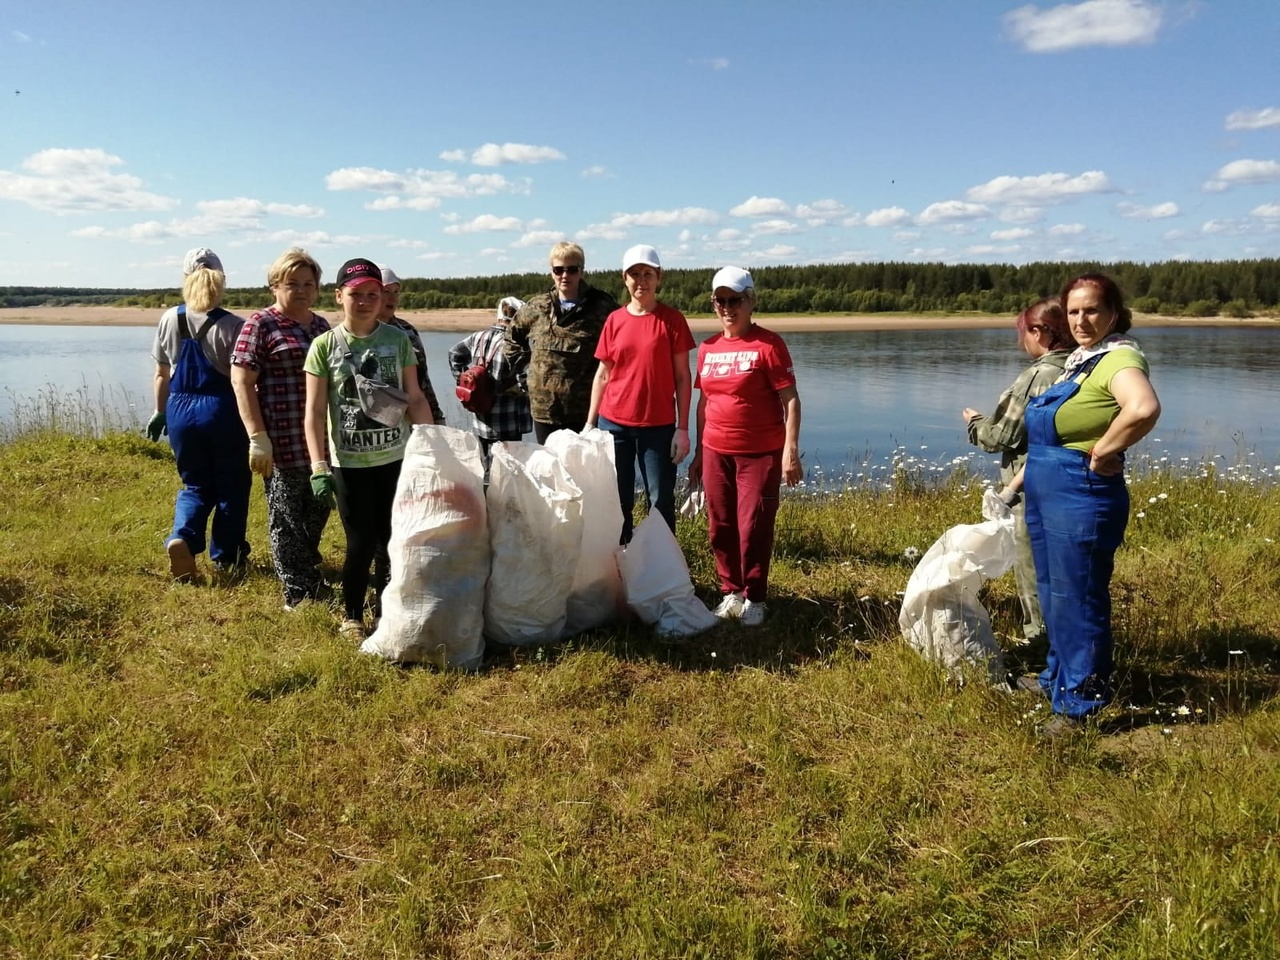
729,303
570,269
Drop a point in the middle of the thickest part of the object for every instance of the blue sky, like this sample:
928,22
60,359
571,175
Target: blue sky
460,138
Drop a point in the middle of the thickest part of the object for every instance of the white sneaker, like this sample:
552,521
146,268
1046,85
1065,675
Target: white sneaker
730,607
752,613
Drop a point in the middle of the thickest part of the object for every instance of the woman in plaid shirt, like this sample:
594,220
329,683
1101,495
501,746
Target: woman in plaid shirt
271,392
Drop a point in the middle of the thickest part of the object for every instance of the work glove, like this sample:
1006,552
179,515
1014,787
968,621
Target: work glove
322,487
157,426
1010,496
260,460
679,445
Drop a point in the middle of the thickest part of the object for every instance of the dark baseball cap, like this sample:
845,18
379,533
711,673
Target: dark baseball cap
358,271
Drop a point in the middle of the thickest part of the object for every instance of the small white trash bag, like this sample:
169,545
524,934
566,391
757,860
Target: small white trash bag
941,617
656,579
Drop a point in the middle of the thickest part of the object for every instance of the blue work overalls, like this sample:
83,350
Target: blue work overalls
1076,519
212,451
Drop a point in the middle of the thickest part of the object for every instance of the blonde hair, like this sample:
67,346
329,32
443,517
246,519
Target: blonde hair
295,258
203,289
564,250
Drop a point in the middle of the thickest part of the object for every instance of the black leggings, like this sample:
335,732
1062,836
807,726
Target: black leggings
365,495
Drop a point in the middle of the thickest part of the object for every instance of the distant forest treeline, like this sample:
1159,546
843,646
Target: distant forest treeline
1236,288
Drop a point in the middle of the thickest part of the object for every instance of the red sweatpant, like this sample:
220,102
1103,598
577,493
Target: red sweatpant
742,504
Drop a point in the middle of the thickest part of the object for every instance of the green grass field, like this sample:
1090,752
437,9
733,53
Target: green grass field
189,771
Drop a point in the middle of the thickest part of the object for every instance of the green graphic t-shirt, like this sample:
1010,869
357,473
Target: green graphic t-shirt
355,440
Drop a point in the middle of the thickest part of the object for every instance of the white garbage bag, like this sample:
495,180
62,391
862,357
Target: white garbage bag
596,595
432,608
535,532
941,617
656,579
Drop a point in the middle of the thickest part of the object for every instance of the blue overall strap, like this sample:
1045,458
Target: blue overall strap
216,314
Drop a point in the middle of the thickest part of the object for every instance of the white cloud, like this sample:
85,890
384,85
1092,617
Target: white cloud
394,202
779,251
887,217
497,154
1159,211
485,223
1268,211
1228,227
1254,119
242,216
539,238
1044,188
681,216
21,37
1066,229
990,249
718,63
600,231
63,181
597,173
764,228
408,244
821,212
853,220
1020,214
1094,23
1014,233
948,210
420,189
1244,171
760,207
929,253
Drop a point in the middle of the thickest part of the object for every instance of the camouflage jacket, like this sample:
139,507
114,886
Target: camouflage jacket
424,378
559,353
1005,432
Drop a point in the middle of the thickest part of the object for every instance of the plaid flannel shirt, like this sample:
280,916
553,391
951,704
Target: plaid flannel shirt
1005,432
510,414
276,347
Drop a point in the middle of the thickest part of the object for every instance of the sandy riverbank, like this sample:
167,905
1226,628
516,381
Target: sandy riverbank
468,320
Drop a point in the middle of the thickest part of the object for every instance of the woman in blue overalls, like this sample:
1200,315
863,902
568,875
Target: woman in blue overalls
196,406
1077,504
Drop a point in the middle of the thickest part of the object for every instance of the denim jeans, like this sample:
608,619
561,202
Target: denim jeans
651,446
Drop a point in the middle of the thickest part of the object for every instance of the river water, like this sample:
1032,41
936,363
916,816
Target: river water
868,396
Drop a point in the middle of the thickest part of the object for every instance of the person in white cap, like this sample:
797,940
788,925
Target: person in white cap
196,406
510,418
748,443
390,301
642,388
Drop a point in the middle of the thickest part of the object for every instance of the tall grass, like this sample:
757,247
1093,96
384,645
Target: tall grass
188,771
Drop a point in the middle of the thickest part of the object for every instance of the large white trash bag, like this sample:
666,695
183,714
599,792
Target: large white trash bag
597,587
432,608
941,616
535,528
656,579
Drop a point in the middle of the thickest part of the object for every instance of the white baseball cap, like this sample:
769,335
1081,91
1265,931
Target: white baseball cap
200,257
735,278
641,253
388,275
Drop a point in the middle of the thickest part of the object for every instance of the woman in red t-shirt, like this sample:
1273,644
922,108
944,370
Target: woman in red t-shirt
748,443
642,387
